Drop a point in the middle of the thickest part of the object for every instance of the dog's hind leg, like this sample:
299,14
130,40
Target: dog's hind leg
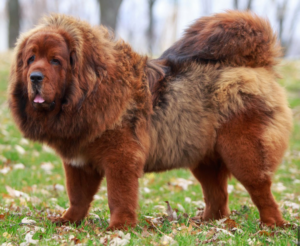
213,176
252,145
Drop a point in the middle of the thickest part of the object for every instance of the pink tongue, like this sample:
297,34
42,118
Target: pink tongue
38,99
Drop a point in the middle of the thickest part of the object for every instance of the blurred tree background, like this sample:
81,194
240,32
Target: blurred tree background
150,26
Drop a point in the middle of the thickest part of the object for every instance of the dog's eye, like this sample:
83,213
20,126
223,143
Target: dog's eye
55,62
30,60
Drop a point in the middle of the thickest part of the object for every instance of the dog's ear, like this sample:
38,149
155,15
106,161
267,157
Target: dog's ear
20,46
72,59
18,60
19,57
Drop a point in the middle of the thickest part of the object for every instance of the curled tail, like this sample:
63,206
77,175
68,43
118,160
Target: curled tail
232,38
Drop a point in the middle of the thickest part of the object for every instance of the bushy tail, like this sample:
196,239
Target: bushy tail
231,38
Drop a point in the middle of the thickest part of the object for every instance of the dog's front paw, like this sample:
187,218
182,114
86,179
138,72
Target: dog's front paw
59,221
120,226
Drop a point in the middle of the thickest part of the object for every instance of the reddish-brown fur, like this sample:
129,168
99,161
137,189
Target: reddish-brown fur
210,103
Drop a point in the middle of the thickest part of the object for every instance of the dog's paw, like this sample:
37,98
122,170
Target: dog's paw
120,226
273,224
59,221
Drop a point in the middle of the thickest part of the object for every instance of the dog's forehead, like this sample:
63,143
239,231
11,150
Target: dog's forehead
46,41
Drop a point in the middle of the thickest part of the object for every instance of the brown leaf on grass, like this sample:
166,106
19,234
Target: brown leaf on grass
230,224
268,234
6,196
234,212
15,193
184,229
195,221
210,233
74,239
185,215
148,220
2,216
145,232
196,232
151,220
200,212
172,215
263,233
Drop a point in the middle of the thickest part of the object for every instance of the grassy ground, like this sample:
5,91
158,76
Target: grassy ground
32,189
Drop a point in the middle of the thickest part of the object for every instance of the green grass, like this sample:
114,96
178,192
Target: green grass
46,200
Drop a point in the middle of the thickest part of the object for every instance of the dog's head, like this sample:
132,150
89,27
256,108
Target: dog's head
47,62
58,64
56,67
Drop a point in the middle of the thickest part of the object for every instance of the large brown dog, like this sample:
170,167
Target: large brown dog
210,103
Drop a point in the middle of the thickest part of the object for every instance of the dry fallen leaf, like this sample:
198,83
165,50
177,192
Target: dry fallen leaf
5,170
20,149
172,215
28,221
47,166
16,193
7,244
180,207
145,232
59,187
166,240
230,224
120,239
279,187
6,235
18,166
29,240
181,183
210,233
224,231
292,205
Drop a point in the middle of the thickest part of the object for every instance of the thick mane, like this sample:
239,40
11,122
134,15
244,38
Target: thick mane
232,38
105,71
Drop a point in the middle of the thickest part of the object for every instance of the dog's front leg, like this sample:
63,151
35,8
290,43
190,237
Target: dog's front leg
122,170
82,184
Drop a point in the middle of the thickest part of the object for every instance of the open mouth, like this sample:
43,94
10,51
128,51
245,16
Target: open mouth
40,103
38,99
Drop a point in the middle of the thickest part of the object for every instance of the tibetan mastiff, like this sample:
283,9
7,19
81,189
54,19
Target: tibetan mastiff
210,103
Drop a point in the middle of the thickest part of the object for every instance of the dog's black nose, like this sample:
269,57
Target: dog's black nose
36,77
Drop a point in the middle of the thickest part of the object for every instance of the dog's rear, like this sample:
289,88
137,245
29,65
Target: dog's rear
218,110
